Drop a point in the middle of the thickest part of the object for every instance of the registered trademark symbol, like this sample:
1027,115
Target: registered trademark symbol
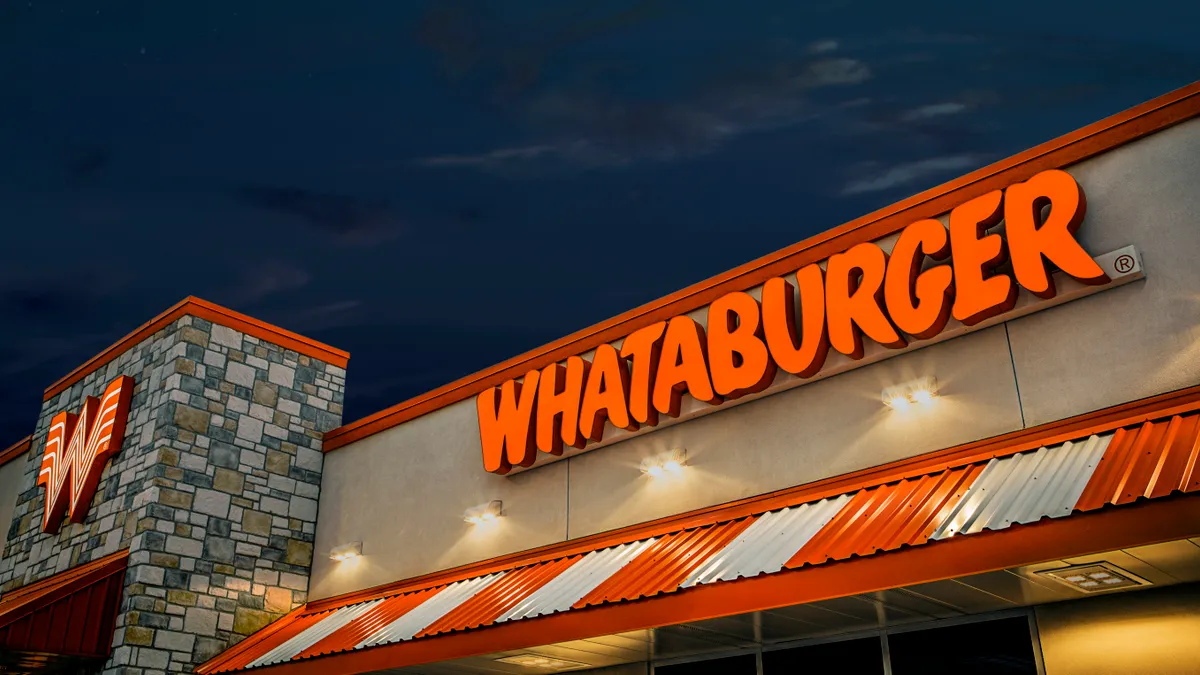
1124,263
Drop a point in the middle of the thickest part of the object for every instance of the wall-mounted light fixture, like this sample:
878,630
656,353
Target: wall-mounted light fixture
484,512
346,551
919,392
669,462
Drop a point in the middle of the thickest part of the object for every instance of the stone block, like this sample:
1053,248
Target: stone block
175,498
176,642
299,552
308,459
200,621
278,600
303,508
266,576
184,546
256,522
240,374
207,648
193,336
272,505
261,412
278,462
139,635
281,375
281,483
153,658
289,407
220,549
229,481
227,337
265,394
211,502
224,455
247,621
293,581
146,574
178,597
250,429
191,419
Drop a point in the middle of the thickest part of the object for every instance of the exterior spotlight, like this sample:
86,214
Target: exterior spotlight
484,513
915,393
1095,577
670,462
346,551
541,662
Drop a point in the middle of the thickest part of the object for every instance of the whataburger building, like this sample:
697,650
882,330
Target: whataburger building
961,434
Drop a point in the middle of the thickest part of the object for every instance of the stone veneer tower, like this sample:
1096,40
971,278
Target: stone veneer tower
214,490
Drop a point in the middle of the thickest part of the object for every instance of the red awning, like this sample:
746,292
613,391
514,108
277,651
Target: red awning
1034,495
69,614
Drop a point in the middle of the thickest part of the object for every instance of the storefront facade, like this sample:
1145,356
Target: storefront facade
961,434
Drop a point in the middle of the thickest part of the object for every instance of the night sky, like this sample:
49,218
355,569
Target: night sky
438,186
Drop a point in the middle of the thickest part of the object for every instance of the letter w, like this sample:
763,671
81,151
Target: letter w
77,448
506,427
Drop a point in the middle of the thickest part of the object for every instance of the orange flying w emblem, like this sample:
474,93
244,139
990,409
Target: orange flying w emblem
77,448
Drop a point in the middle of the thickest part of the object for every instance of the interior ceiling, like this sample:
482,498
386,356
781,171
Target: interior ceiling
1161,564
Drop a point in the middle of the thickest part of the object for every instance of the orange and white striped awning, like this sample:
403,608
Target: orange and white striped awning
1057,472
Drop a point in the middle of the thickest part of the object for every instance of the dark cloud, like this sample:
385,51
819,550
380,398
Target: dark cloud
88,163
37,294
259,280
349,219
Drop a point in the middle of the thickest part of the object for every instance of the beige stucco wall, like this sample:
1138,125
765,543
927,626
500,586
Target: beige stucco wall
1141,339
10,483
1145,633
402,492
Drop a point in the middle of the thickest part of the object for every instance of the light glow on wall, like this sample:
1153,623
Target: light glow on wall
484,513
665,464
910,395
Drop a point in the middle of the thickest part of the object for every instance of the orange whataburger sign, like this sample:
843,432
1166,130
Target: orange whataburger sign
77,448
890,298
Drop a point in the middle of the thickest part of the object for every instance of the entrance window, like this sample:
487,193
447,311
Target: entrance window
1000,647
848,657
744,664
989,647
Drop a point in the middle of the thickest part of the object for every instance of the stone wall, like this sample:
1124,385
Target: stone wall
214,492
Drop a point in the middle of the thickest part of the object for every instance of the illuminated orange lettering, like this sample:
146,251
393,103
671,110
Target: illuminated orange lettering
606,396
77,448
802,356
737,358
978,294
559,393
643,347
863,292
506,424
854,300
919,302
683,367
1032,242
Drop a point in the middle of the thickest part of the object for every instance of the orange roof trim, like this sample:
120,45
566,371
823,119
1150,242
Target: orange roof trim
202,309
15,450
1143,120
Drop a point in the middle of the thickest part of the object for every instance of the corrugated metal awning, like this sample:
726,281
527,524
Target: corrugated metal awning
69,614
1083,469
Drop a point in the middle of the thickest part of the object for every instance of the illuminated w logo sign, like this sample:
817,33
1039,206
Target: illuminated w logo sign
77,448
